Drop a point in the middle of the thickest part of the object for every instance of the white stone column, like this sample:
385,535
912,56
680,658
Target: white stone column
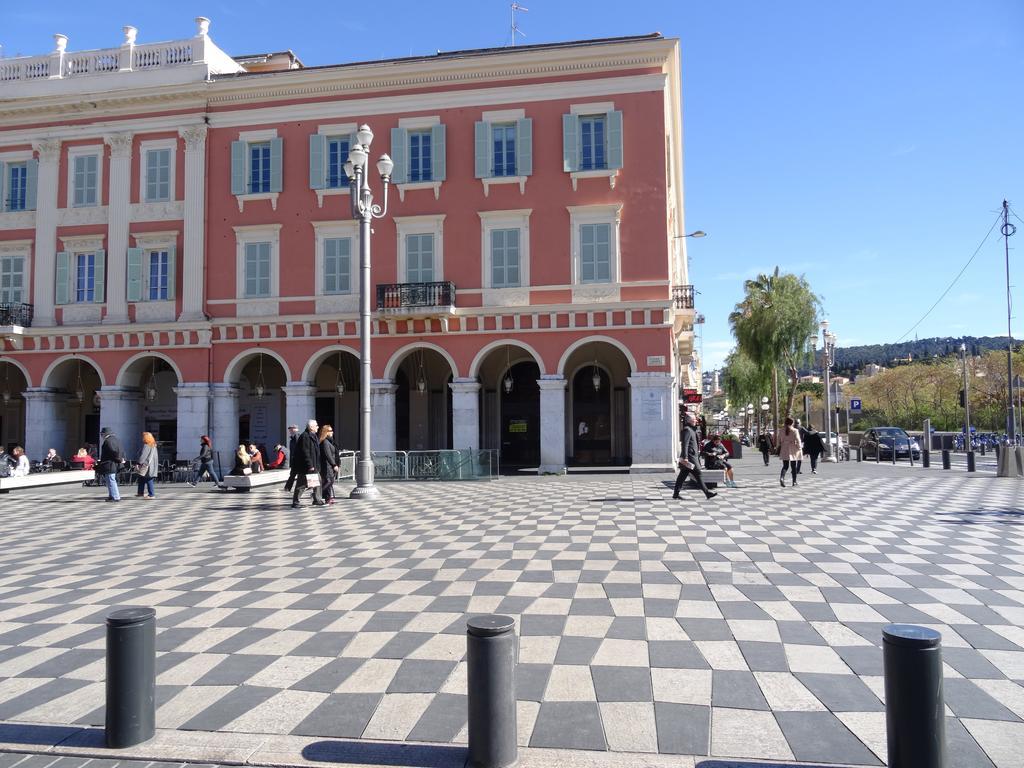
382,406
195,211
119,186
654,421
46,424
299,403
465,413
45,252
121,411
193,418
552,424
225,423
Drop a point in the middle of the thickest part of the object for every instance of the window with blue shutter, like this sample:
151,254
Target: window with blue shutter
595,253
159,270
419,258
12,279
504,258
592,143
337,156
259,167
338,265
16,187
503,138
257,270
85,277
134,289
85,172
158,175
420,166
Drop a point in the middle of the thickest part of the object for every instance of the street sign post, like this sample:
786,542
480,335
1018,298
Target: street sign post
855,405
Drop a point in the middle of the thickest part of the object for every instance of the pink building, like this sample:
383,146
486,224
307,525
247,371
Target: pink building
177,254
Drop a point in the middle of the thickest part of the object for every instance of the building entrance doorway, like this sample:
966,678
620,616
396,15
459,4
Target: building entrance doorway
520,416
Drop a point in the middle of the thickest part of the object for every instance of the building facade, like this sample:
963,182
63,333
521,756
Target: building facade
177,252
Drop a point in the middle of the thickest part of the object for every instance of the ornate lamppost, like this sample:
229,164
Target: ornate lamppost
828,360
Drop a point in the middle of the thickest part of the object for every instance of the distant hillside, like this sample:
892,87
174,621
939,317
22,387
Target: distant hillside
851,360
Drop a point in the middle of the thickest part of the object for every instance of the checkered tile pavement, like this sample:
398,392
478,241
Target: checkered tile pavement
746,626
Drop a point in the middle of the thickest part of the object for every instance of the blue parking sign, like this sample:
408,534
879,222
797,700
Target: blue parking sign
855,405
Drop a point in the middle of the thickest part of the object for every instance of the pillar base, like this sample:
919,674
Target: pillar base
552,469
365,492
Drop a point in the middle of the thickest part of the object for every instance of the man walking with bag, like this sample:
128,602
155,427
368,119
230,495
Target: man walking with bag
111,459
306,464
293,439
688,459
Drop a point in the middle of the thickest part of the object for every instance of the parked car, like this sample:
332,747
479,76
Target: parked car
879,442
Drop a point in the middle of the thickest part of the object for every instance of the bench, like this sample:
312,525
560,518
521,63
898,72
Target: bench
712,477
40,479
256,479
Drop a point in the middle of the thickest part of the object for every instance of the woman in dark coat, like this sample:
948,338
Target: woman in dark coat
814,446
764,445
328,462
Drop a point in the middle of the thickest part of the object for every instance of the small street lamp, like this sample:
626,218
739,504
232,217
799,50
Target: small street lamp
364,210
828,360
698,234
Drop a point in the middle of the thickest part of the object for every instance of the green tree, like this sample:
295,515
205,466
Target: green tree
743,380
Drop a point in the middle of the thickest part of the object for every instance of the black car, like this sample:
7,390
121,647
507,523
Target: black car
879,443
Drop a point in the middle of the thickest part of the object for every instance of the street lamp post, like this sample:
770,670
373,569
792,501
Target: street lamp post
828,360
365,211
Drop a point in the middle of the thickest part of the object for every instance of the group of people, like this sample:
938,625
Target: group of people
314,463
15,463
794,442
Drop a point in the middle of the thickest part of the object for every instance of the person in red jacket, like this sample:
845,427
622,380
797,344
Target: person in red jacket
277,458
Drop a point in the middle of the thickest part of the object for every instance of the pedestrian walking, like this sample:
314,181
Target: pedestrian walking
111,459
147,467
306,464
814,446
205,459
293,439
765,446
689,459
715,457
328,463
789,451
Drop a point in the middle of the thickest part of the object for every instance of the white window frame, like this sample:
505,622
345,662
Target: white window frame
492,220
147,146
326,230
423,122
76,152
499,116
22,248
155,241
256,137
335,130
259,233
595,214
584,110
421,225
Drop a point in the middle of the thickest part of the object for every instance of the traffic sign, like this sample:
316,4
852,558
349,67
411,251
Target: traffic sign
855,404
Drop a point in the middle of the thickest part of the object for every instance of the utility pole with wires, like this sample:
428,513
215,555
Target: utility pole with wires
516,30
1008,231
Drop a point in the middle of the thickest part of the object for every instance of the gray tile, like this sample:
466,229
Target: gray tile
677,654
984,638
569,725
622,683
862,659
542,625
443,719
236,669
764,657
961,747
420,676
531,681
683,729
243,639
402,644
706,629
329,644
54,689
965,699
841,693
820,736
577,650
815,611
235,704
736,690
67,662
330,676
969,663
340,715
628,628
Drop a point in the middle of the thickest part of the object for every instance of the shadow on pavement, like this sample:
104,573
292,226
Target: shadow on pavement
368,753
35,735
983,517
750,764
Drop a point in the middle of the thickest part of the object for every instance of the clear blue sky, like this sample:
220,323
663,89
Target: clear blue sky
864,143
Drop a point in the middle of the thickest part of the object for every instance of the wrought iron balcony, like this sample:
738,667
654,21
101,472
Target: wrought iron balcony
16,314
682,296
415,298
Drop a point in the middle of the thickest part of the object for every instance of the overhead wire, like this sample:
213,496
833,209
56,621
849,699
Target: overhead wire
955,279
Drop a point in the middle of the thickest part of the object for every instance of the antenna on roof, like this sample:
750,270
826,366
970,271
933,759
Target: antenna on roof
516,30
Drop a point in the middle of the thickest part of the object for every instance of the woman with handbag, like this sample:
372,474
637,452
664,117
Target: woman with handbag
242,462
790,450
328,463
147,467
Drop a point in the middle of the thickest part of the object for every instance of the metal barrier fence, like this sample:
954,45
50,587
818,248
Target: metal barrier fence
467,464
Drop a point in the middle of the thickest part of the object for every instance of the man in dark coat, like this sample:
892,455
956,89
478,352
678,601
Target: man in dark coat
306,462
111,459
814,446
689,463
804,434
293,438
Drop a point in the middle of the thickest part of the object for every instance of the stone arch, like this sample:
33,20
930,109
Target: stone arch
45,381
319,357
597,339
125,372
20,367
396,359
233,371
481,356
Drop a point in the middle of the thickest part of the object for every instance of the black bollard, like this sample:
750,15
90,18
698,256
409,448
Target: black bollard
970,461
926,459
945,458
131,676
491,665
860,454
982,447
915,718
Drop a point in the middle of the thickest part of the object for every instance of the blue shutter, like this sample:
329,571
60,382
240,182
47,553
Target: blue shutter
5,189
238,152
399,152
613,139
63,285
524,147
317,165
482,143
570,143
437,160
276,151
171,266
101,274
31,183
135,274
